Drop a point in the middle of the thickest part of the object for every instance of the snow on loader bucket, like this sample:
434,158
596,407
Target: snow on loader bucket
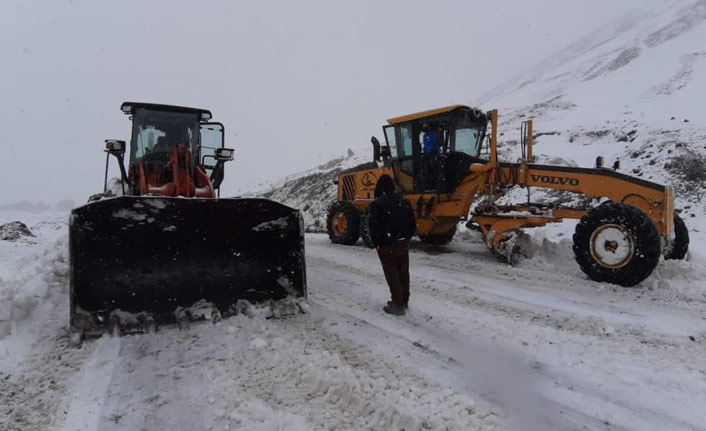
147,255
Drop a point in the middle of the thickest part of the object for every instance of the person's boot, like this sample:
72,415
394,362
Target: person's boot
394,309
405,306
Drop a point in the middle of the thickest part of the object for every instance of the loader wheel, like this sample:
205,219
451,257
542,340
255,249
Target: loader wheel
681,240
616,243
343,223
441,239
365,228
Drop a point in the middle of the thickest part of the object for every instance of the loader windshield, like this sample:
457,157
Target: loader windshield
157,132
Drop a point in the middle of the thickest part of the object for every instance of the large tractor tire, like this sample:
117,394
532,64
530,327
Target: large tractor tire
681,240
617,243
343,223
365,228
438,239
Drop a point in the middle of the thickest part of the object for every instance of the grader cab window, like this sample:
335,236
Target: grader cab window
391,140
399,138
467,140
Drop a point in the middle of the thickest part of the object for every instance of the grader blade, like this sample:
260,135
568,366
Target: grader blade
152,254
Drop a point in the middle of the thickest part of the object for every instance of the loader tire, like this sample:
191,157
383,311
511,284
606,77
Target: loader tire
617,243
365,228
438,239
343,223
681,240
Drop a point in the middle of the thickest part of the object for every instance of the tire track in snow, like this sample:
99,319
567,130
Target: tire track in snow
289,374
362,298
87,394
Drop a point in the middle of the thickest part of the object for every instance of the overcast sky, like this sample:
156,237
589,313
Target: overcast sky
295,82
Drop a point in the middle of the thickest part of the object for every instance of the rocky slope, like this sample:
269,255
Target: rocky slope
626,92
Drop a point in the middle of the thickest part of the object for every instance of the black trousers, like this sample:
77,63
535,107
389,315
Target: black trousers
395,265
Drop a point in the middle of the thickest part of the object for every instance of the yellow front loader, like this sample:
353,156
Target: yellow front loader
619,241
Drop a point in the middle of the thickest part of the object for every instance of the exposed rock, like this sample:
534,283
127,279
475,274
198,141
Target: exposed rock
14,230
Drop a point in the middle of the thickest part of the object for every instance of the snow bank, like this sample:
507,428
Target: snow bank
33,280
42,276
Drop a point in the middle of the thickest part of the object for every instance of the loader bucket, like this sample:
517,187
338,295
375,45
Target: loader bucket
154,254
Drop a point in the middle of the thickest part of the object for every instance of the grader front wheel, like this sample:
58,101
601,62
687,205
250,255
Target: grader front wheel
617,243
343,223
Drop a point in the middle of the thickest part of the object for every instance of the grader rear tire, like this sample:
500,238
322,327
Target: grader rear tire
343,223
681,240
617,243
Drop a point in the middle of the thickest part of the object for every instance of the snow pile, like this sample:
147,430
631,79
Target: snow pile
33,275
114,188
41,277
686,277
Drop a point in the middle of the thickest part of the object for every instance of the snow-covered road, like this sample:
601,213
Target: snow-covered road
599,357
485,346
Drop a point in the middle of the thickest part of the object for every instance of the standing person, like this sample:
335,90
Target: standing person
392,224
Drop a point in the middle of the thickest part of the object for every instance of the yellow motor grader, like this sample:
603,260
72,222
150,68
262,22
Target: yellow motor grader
435,159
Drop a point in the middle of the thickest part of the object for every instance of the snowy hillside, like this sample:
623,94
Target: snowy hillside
314,190
627,92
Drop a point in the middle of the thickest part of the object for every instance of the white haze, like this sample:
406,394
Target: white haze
295,83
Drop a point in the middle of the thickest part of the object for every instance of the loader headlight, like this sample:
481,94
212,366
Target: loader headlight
224,154
114,146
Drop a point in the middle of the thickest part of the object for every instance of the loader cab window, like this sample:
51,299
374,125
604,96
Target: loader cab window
211,139
155,133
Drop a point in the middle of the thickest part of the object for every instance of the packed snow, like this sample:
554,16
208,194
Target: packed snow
485,346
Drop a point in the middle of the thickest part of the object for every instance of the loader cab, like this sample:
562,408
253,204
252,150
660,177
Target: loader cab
157,129
431,151
160,133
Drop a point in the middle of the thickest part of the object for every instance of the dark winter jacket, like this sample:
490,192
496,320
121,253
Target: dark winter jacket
391,219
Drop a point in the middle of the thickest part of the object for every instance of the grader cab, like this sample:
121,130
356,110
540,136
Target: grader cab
435,159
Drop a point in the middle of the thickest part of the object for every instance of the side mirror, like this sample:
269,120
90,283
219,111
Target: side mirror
224,154
385,152
115,147
599,162
376,148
